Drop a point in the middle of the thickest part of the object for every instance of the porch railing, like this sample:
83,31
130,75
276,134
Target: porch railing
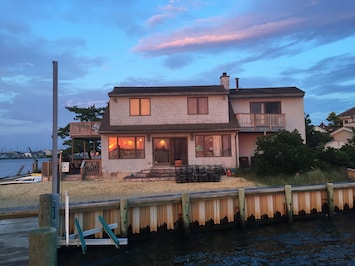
90,168
261,122
84,129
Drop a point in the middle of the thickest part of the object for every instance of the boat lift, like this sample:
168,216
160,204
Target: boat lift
79,238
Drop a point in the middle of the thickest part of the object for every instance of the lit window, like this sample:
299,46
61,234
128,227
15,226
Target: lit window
126,147
139,106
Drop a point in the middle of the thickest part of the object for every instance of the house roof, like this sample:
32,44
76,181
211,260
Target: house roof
345,129
168,90
349,112
266,92
106,128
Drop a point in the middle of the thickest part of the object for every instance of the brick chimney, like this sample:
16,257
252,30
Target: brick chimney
225,80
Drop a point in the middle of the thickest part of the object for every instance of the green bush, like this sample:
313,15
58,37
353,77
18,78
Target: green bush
282,152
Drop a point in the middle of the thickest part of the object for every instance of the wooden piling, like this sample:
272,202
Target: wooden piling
43,247
124,217
45,210
48,214
241,198
330,193
186,207
288,198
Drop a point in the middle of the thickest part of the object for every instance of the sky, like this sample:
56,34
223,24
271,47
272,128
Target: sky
102,44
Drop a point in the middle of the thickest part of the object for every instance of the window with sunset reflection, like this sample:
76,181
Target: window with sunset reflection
126,148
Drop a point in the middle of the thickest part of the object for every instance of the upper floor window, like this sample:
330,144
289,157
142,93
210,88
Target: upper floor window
139,106
126,148
265,107
197,105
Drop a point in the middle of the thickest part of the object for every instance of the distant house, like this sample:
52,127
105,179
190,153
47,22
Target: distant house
148,127
341,136
348,117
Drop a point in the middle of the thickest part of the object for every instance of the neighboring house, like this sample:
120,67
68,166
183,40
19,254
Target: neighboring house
321,128
340,137
145,127
348,117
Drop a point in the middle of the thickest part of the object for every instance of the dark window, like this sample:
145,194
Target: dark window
197,105
265,107
213,145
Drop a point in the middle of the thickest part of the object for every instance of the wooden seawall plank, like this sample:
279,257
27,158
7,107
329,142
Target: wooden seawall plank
232,206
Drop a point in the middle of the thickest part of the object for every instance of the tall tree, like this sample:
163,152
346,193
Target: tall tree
334,120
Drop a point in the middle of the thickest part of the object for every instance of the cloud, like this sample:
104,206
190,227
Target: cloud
238,31
7,97
166,12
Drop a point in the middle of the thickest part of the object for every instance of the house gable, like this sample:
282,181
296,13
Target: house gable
168,110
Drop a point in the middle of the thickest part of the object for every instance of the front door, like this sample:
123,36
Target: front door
161,151
179,150
168,150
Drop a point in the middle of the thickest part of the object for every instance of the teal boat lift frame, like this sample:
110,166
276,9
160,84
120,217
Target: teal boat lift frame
79,238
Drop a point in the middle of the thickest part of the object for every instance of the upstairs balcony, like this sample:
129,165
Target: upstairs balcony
261,122
85,130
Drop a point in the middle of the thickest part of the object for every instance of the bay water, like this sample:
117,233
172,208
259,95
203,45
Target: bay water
10,167
323,241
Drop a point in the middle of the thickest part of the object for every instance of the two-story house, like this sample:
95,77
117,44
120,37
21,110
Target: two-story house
348,118
144,127
342,135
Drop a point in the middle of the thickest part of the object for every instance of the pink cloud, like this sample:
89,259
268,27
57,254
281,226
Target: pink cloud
222,34
167,11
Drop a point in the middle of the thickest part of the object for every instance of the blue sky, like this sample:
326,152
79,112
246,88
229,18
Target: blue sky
102,44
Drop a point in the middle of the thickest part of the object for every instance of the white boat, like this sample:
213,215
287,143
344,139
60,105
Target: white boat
24,179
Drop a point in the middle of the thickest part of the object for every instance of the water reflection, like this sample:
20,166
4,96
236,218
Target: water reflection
317,242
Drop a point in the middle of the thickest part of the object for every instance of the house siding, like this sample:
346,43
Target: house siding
169,110
293,108
135,165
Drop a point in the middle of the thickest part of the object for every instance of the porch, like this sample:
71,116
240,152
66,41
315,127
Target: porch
261,122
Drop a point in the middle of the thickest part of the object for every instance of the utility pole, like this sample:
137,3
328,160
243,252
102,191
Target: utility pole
55,179
55,183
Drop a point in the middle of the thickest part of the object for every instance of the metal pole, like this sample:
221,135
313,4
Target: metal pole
55,181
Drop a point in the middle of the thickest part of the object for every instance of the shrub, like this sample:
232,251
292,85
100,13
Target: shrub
282,152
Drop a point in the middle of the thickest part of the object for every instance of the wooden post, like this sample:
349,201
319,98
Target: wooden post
288,197
124,217
330,193
44,211
185,199
43,247
241,197
48,210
